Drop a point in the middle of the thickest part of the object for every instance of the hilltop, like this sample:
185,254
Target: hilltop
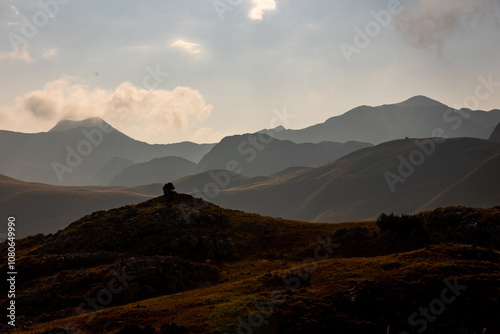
190,265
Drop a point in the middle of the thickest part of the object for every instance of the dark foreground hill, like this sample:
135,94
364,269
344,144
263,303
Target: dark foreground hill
187,266
401,176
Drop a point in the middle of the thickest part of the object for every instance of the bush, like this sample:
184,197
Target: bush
401,223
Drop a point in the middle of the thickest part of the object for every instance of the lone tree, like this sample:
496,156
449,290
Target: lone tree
168,192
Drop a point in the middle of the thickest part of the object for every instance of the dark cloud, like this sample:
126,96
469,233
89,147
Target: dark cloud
427,24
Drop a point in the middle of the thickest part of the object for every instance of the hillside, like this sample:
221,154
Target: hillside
417,117
72,153
157,170
257,154
42,208
110,170
461,171
495,135
187,266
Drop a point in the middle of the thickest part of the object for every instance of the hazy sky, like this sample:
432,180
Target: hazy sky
172,70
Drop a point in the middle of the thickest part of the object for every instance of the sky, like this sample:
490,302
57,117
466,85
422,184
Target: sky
165,71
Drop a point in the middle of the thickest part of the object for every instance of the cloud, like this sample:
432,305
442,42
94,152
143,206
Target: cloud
155,116
259,7
50,53
17,55
427,24
192,48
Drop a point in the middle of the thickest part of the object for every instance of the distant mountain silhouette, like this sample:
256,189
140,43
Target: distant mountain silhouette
110,170
72,153
461,171
416,117
66,124
157,170
257,154
495,135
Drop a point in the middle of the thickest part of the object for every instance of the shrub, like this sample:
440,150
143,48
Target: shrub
401,223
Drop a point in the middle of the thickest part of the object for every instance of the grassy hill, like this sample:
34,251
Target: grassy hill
42,208
187,266
459,171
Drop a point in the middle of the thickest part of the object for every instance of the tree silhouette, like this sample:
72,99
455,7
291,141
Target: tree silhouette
168,192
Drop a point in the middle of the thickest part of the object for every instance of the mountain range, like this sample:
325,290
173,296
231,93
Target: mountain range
91,152
359,186
401,176
417,117
257,154
73,153
324,181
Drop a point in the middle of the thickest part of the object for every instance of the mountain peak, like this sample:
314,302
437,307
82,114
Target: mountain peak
66,124
420,101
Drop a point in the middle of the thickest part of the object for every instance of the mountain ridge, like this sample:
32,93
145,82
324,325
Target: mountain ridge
355,187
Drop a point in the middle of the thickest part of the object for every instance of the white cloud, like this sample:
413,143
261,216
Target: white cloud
155,116
50,53
259,7
192,48
20,55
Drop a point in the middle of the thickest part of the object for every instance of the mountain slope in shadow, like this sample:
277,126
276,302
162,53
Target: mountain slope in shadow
258,154
460,171
495,135
110,170
157,170
42,208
